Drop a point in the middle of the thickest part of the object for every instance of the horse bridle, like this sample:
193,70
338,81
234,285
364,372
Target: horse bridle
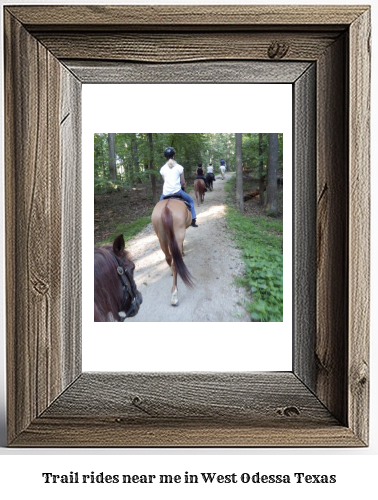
123,273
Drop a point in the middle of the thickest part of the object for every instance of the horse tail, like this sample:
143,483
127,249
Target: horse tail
180,266
202,190
199,190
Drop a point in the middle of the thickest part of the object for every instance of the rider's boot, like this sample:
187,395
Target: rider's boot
193,224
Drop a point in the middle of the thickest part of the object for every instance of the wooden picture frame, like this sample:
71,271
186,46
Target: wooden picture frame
324,52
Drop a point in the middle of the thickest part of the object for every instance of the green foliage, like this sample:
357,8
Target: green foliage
128,230
133,155
251,156
260,240
218,147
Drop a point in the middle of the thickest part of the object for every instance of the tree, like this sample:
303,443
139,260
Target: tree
228,151
112,158
134,148
151,166
261,171
271,189
239,173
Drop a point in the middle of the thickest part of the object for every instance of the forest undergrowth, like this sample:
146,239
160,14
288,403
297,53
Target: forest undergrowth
260,239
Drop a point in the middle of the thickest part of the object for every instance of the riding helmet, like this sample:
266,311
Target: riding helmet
169,152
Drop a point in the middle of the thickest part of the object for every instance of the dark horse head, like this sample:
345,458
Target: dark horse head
115,293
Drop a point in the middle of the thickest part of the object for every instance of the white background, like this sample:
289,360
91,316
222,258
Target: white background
186,346
20,470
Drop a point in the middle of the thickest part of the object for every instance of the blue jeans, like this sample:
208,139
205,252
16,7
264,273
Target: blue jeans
186,197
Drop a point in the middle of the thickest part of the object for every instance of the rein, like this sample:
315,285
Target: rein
133,309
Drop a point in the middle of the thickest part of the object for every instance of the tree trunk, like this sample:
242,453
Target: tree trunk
112,158
134,148
261,172
105,166
228,152
239,173
271,189
152,174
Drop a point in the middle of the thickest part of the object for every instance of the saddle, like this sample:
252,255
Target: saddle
177,197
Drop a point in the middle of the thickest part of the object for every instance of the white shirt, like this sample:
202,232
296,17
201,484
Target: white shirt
210,169
171,173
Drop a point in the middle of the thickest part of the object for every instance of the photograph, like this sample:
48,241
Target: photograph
192,220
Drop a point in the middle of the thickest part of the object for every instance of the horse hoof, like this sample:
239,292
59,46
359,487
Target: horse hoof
174,298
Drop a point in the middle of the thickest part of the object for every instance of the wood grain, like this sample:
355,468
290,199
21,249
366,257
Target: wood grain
190,396
97,432
180,47
70,161
32,226
33,229
324,402
184,16
197,409
199,72
304,210
359,226
332,234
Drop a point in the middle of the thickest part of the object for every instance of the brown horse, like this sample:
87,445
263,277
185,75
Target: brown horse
170,219
115,293
199,190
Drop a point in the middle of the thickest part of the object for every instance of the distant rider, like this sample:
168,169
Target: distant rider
210,170
222,168
200,174
174,181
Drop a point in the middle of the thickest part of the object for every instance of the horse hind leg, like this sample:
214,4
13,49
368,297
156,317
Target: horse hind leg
174,291
165,249
169,261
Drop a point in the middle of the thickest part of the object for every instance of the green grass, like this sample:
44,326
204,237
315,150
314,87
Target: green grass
260,239
128,230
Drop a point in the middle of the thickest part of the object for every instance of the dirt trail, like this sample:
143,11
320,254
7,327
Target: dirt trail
212,259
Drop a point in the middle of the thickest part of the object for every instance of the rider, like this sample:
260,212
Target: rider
210,170
200,175
223,168
174,181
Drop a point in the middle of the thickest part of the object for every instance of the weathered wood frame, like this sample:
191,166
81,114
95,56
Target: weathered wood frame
49,52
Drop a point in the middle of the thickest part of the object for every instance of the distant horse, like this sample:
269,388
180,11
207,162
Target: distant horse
115,293
199,190
222,169
209,180
170,219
